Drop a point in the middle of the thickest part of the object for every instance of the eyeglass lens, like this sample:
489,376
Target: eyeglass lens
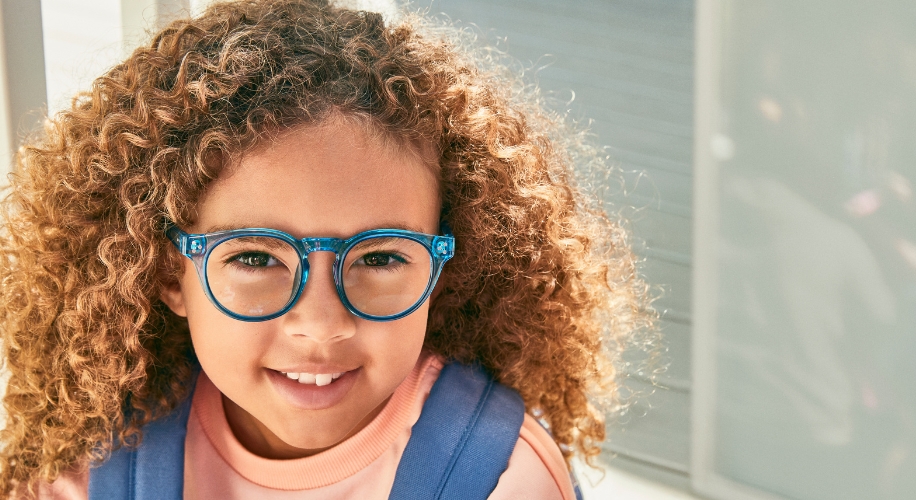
258,275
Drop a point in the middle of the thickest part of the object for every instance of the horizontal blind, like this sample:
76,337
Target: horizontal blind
629,64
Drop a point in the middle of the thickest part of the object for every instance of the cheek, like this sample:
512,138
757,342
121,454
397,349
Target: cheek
220,342
398,350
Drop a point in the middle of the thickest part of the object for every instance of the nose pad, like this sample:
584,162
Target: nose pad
319,313
326,272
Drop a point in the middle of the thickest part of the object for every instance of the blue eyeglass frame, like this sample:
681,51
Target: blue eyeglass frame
197,247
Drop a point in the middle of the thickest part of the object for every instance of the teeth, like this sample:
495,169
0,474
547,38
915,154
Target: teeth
319,379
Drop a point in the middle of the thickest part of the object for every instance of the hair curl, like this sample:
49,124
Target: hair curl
542,291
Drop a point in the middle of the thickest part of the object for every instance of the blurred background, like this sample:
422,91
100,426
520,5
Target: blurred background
768,153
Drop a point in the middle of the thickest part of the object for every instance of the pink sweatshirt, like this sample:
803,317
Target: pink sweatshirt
363,466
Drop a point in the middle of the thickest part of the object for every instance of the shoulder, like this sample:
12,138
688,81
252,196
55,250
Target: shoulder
72,484
536,469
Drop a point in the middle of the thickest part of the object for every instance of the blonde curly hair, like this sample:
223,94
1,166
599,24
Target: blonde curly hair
543,290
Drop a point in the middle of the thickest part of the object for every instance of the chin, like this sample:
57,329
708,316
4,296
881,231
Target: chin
315,437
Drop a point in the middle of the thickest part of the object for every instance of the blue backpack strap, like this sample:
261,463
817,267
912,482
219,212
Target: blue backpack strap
576,488
462,442
152,471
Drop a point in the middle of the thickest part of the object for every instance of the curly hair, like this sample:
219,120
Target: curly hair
543,290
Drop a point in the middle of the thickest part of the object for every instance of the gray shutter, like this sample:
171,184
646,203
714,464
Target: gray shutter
630,65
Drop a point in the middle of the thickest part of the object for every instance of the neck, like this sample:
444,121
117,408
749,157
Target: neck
261,441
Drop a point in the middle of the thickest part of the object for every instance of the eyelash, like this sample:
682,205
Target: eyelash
392,256
236,259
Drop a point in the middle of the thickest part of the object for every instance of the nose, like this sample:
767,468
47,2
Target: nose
319,314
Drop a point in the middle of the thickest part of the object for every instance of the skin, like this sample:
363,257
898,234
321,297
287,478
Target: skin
335,179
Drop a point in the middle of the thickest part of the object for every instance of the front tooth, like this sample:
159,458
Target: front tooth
306,378
322,379
335,376
293,376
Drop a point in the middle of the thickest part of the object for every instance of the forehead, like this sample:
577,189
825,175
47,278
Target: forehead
336,178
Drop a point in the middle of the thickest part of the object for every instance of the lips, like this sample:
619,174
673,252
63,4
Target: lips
313,391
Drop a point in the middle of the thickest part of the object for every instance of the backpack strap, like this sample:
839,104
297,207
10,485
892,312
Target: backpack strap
152,471
462,442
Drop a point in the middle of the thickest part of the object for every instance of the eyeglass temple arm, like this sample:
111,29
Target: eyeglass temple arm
174,235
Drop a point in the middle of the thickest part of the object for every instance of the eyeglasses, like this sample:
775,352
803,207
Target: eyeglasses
259,274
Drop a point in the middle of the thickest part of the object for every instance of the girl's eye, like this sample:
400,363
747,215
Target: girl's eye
255,259
380,259
376,260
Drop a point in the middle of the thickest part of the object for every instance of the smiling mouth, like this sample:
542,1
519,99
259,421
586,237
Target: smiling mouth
314,391
319,379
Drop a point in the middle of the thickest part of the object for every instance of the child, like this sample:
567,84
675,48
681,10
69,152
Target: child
245,264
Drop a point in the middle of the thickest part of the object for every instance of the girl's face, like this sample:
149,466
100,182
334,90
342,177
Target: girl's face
330,180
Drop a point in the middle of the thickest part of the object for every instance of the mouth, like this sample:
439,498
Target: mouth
319,379
313,391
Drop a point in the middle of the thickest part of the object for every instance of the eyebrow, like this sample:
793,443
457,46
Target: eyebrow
375,243
394,225
266,241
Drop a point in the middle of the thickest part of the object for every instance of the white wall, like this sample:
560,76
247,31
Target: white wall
22,79
82,40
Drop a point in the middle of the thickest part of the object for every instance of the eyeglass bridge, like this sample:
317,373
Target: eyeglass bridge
322,245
